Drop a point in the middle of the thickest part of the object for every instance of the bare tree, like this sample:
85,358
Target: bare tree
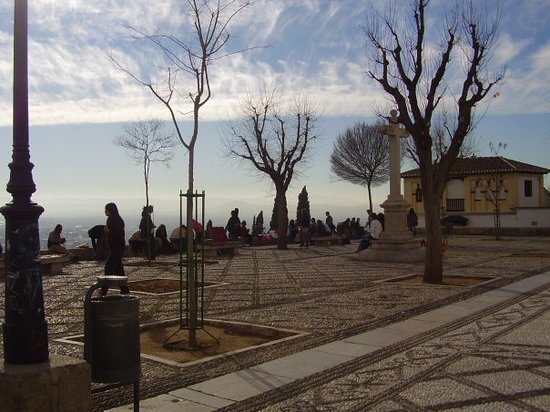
275,144
496,191
417,77
187,78
361,156
146,143
441,135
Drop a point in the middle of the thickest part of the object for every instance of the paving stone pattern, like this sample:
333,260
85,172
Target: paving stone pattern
478,366
325,292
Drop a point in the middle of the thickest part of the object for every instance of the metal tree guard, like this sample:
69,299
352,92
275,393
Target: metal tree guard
190,318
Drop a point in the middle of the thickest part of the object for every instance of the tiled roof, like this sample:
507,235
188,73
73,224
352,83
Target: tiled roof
482,165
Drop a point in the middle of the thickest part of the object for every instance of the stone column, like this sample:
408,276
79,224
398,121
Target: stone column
396,243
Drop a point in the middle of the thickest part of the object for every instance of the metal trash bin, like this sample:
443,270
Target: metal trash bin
111,337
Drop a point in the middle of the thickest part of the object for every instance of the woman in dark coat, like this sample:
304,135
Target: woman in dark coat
116,243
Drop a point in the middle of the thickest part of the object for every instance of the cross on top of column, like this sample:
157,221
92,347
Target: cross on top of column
393,128
394,132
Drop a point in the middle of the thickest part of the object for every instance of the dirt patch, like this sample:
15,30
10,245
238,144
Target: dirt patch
212,341
468,281
216,338
160,285
531,254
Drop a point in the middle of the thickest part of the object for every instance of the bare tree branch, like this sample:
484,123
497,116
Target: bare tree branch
147,143
274,144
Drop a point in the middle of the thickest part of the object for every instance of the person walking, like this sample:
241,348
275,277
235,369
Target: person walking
330,223
116,243
412,221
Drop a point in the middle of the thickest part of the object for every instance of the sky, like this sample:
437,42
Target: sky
79,100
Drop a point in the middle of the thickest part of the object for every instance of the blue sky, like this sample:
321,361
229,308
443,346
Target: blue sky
79,100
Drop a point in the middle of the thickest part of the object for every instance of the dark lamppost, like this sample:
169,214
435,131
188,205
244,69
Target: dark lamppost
25,327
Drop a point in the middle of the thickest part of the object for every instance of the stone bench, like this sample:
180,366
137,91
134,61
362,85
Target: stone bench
51,264
329,240
213,249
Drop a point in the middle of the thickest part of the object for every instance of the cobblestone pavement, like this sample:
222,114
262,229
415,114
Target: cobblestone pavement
499,361
325,292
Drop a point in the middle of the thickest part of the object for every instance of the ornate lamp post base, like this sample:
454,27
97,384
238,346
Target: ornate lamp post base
25,327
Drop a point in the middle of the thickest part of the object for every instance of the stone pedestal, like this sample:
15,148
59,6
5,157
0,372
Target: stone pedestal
61,384
396,243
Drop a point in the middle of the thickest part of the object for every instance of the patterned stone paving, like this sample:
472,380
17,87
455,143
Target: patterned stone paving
320,290
478,366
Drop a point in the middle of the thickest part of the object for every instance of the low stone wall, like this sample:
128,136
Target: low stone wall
504,231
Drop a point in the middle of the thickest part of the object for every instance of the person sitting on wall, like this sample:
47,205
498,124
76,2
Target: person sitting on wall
177,234
164,245
198,229
137,243
373,233
313,229
55,242
323,229
244,233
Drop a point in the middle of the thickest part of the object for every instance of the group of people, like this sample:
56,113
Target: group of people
237,228
375,227
112,237
352,228
307,227
151,242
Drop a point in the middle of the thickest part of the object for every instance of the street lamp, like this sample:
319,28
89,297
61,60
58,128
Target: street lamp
25,327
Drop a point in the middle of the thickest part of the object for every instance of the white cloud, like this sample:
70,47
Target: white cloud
507,49
72,79
526,88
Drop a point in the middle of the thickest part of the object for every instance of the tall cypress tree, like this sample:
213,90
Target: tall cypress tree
258,227
303,203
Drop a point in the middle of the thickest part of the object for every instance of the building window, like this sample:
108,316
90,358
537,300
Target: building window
528,188
418,193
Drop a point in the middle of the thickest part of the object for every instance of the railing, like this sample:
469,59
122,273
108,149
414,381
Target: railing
455,205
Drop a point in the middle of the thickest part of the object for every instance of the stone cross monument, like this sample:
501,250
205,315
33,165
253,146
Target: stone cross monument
396,243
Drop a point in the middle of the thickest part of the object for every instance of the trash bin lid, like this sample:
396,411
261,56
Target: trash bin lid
113,280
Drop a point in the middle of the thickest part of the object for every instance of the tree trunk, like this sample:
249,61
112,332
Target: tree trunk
282,219
433,266
192,284
370,197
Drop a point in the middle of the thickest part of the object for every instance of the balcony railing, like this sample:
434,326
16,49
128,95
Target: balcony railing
455,205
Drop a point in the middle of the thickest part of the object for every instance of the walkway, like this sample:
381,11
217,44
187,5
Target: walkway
491,351
368,343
